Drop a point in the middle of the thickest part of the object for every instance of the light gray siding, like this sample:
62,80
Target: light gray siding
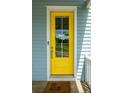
39,35
83,39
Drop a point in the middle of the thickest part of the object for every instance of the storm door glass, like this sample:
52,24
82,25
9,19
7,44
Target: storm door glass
62,36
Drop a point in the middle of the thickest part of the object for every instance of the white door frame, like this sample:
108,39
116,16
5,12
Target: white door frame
61,8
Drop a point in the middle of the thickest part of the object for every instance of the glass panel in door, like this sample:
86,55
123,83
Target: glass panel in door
62,36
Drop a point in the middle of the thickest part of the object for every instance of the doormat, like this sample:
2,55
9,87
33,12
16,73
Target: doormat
57,87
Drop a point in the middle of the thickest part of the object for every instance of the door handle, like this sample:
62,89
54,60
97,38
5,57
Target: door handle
48,42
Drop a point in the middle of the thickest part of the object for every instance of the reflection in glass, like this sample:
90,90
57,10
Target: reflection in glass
62,36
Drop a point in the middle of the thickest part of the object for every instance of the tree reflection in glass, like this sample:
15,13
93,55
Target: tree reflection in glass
62,36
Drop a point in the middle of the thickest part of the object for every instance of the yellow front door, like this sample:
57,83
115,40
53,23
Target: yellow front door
62,43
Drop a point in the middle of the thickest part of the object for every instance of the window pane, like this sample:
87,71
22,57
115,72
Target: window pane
58,23
65,23
62,36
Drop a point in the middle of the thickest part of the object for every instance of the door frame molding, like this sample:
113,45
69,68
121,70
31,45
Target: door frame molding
61,8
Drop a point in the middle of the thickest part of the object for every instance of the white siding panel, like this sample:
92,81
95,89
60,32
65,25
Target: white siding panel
84,40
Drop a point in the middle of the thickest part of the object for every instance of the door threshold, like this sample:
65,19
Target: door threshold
62,76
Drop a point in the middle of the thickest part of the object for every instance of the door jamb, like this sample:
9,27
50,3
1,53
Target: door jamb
61,8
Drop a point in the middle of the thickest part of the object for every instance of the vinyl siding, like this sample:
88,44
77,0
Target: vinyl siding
39,35
83,39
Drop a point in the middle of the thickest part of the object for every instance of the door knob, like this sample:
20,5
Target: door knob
48,42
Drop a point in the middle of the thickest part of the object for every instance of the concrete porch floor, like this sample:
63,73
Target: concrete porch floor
38,86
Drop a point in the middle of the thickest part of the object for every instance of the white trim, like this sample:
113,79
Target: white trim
48,40
75,43
61,79
79,86
61,8
89,4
